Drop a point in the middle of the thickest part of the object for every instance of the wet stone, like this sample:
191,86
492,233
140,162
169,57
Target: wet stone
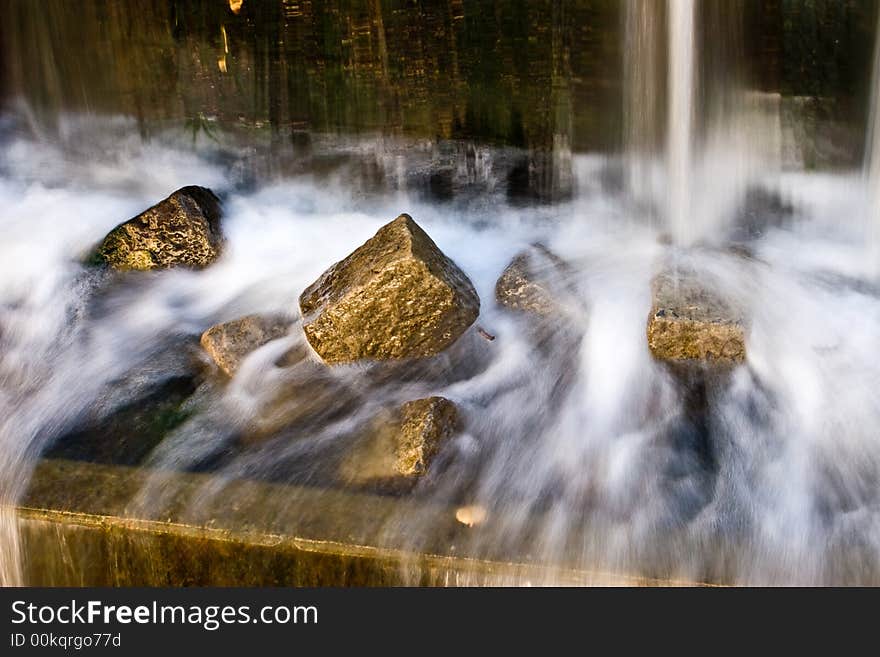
181,230
399,445
229,343
691,323
396,297
536,281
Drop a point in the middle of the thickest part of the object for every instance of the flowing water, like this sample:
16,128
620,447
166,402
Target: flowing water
681,118
581,448
871,169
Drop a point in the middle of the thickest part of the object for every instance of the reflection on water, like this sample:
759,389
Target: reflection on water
517,73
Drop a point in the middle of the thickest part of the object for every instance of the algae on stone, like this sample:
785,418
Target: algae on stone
181,230
227,344
396,297
689,322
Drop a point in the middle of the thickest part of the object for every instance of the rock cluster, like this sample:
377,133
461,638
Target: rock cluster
396,298
398,303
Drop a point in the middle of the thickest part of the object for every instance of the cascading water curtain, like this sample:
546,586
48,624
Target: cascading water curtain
680,122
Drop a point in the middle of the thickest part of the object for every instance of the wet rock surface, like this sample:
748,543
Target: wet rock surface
536,281
691,323
396,297
399,445
229,343
136,412
181,230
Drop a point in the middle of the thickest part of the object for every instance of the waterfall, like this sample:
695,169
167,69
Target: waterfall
680,121
644,72
697,139
871,168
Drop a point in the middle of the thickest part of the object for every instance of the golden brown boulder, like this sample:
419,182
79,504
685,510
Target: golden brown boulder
227,344
182,230
396,297
536,281
689,322
399,445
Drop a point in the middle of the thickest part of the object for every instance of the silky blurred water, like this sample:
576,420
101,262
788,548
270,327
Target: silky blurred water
581,449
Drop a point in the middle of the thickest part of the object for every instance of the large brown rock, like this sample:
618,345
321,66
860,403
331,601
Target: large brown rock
227,344
182,230
536,281
396,297
691,323
400,444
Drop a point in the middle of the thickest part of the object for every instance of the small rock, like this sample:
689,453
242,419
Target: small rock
230,342
396,297
425,424
536,281
399,445
182,230
690,323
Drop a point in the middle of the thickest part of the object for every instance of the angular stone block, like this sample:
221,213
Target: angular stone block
396,297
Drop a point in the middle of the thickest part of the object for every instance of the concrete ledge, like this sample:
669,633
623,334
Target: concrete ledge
78,530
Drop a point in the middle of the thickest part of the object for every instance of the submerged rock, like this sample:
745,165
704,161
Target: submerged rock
227,344
303,398
400,445
535,281
126,434
690,323
135,412
396,297
182,230
424,425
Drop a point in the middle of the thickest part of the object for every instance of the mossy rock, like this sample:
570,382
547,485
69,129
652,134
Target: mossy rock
181,230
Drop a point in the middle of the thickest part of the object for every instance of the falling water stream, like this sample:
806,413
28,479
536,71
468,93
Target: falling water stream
871,169
680,121
581,448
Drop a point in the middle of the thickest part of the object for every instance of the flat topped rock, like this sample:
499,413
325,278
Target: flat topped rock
690,322
181,230
396,297
229,343
536,281
400,444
